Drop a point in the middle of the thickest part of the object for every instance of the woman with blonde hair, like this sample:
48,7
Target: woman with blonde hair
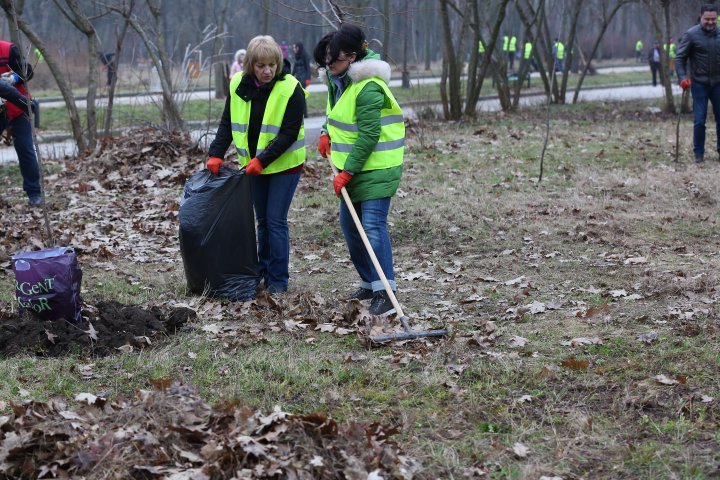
263,116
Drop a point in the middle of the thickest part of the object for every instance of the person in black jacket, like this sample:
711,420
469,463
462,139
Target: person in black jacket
654,58
263,116
301,69
701,46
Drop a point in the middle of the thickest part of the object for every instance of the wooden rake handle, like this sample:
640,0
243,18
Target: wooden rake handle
368,247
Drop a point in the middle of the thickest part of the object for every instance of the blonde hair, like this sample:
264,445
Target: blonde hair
262,47
240,53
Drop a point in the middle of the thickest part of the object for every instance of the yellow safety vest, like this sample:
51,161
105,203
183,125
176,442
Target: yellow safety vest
271,122
343,129
513,44
506,41
528,51
481,47
639,45
560,50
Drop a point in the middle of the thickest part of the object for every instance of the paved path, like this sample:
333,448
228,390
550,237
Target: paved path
313,124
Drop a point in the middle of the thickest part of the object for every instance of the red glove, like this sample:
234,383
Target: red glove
324,145
307,82
340,180
254,167
213,164
685,83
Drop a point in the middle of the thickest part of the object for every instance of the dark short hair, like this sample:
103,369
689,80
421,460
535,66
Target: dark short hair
348,38
708,7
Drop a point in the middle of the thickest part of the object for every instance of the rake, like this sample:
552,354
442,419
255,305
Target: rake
409,333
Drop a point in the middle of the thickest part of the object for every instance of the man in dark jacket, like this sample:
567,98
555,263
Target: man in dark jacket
701,46
654,58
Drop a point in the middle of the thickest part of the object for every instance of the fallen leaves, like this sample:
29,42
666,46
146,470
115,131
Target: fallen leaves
174,434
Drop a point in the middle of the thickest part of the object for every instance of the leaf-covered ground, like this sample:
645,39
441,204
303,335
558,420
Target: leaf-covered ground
583,309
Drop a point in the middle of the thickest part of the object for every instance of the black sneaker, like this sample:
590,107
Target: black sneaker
699,158
381,304
361,294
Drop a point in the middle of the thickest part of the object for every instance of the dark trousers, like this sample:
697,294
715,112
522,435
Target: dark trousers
272,195
25,149
655,69
701,94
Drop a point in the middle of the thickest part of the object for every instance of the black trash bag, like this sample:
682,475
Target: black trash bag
217,235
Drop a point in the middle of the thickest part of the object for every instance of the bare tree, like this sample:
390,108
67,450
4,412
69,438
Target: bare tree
606,18
120,40
490,58
662,31
74,13
160,57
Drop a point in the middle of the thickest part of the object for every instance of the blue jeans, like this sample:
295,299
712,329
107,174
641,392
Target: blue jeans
272,195
25,149
373,216
701,94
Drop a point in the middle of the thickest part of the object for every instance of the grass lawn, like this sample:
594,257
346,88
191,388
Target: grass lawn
583,308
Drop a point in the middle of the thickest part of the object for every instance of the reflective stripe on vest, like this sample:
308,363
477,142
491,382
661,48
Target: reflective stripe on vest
270,127
343,129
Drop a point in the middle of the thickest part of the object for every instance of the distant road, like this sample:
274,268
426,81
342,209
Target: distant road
313,124
146,98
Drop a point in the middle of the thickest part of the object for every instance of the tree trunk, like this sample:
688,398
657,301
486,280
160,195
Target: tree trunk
450,62
120,40
387,28
82,23
475,82
577,6
603,28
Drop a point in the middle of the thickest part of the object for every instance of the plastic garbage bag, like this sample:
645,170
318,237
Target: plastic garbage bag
217,235
47,283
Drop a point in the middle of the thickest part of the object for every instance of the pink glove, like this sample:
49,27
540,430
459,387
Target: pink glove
324,145
340,180
255,167
213,164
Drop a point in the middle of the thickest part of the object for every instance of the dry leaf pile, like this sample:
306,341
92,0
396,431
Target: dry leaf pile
173,434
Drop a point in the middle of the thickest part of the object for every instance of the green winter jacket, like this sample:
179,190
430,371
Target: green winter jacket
373,184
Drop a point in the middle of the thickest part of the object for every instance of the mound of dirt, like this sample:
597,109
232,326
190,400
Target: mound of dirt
172,433
108,327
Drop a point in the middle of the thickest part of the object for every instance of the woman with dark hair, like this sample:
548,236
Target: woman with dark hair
366,131
264,117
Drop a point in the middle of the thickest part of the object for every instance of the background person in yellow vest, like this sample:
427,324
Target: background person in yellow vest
366,131
512,51
672,53
638,51
264,117
528,60
558,51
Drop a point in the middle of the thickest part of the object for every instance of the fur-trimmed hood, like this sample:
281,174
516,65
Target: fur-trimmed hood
370,66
